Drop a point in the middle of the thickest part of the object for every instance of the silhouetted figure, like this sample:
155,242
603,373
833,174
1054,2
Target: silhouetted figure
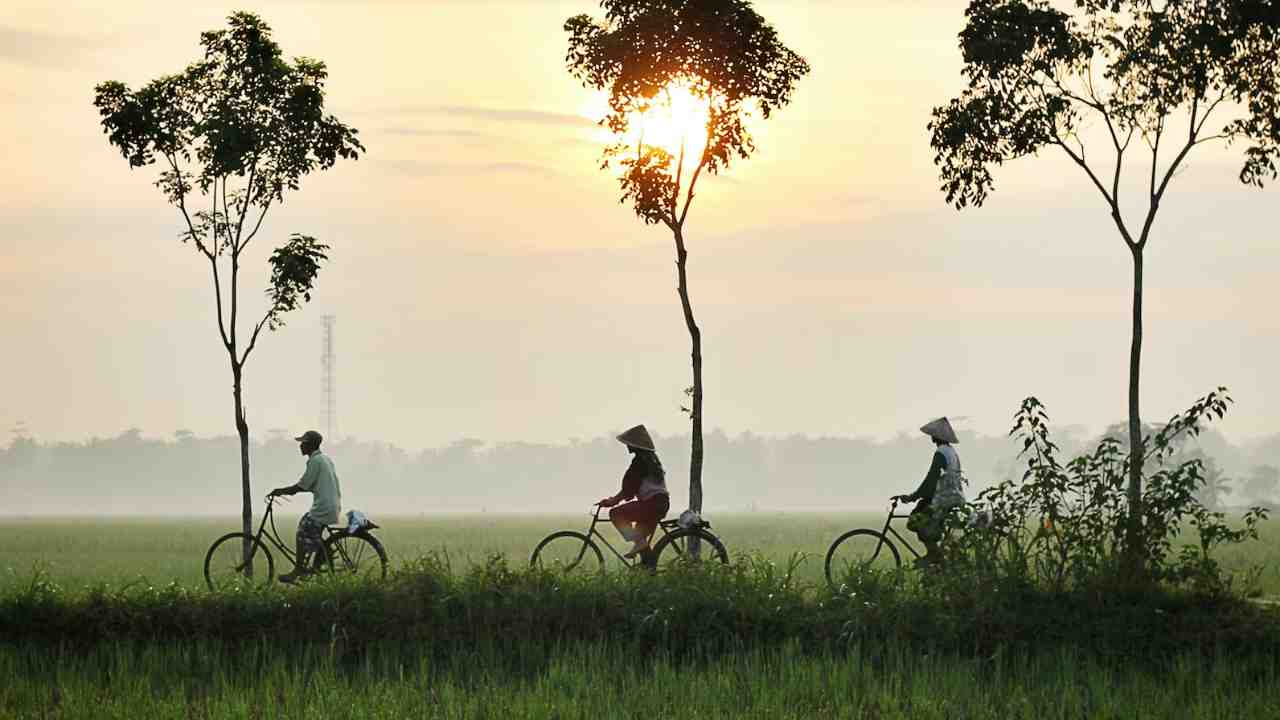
941,490
645,481
321,480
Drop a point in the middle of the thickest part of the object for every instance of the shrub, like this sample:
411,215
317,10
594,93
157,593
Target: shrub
1062,525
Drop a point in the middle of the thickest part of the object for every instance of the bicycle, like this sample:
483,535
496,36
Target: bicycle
572,551
345,553
863,548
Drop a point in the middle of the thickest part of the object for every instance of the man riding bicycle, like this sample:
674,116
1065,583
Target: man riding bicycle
941,490
321,480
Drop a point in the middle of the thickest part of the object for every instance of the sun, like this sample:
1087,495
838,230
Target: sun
677,118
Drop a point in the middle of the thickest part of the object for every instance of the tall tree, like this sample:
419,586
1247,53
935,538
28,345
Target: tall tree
657,58
234,132
1173,75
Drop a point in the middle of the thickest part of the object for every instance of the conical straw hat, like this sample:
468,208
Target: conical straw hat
637,437
940,429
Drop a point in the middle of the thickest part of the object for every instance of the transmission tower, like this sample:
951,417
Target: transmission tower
328,384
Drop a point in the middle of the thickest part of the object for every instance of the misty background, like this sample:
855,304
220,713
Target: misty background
132,474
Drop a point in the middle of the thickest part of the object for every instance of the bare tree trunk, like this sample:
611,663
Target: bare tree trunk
1133,538
695,414
242,429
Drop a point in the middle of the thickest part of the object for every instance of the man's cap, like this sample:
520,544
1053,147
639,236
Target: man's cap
637,437
310,436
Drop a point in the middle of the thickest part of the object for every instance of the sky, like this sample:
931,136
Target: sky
488,284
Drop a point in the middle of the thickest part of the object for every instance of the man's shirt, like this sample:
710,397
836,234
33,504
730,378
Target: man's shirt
321,480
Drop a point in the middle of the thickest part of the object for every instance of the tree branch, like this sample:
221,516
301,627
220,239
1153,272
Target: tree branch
253,339
253,233
675,191
244,206
195,237
182,206
1158,193
702,162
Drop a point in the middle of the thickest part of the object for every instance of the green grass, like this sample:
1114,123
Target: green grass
81,552
613,681
118,625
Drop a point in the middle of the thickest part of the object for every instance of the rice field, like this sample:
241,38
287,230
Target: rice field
81,552
543,674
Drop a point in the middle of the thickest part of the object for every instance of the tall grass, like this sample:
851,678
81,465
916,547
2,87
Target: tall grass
611,680
694,612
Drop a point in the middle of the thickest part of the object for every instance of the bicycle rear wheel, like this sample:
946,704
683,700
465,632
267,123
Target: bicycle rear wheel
569,552
858,551
674,549
224,565
360,554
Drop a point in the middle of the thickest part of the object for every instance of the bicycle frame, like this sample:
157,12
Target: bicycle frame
273,537
888,528
592,532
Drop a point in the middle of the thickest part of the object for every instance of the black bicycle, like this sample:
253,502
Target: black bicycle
863,549
571,551
344,553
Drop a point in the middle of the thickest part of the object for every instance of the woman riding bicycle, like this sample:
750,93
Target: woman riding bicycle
941,490
645,481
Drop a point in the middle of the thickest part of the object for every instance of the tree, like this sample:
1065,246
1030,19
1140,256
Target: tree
649,57
1156,71
242,126
1263,482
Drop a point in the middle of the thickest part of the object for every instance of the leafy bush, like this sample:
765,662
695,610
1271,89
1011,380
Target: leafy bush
1062,526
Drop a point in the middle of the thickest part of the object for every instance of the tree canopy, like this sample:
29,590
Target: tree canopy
721,50
1036,75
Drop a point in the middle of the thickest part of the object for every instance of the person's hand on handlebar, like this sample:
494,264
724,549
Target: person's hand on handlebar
283,491
901,498
608,502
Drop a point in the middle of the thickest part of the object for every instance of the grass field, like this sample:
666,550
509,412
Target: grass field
79,552
602,682
537,667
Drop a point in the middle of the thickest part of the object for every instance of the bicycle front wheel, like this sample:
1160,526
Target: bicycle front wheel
359,554
676,548
224,565
568,552
858,551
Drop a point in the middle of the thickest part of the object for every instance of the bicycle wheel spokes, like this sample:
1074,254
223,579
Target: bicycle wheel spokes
858,552
357,555
225,568
568,552
677,549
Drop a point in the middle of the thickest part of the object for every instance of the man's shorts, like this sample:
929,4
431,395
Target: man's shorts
309,534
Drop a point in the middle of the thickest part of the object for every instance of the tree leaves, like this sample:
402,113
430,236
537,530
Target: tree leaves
242,111
722,50
294,267
1034,72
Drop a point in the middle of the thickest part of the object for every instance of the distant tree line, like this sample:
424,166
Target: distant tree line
132,474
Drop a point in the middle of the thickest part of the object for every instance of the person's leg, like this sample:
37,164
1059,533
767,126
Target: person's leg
621,518
630,519
922,523
648,515
306,544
